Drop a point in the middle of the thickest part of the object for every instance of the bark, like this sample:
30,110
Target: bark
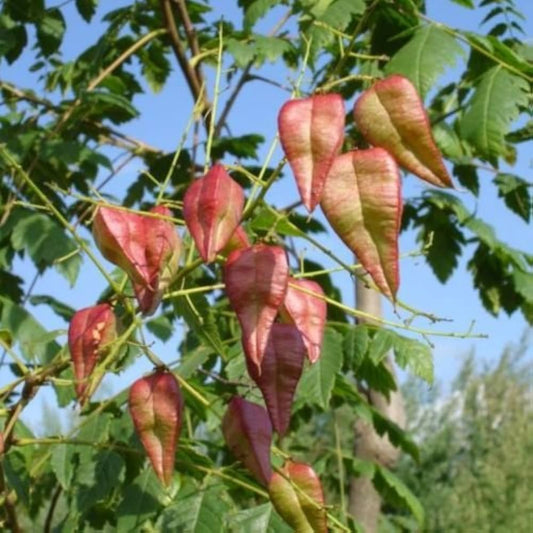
365,502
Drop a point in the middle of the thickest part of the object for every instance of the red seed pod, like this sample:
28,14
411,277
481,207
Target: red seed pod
307,312
90,332
146,248
297,496
311,131
156,405
281,370
248,434
212,209
362,202
391,115
256,283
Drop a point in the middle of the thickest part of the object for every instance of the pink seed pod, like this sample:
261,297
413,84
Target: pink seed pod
311,131
256,284
248,434
391,115
155,404
212,209
90,332
362,202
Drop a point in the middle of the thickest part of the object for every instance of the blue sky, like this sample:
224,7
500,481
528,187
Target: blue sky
163,117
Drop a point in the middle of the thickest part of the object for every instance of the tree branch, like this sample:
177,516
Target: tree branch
195,85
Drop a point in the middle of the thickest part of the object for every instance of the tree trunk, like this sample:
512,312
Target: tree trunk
365,502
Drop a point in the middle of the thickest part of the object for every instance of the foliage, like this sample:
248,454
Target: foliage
64,139
475,465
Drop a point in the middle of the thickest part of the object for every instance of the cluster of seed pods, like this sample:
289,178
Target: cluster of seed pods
282,318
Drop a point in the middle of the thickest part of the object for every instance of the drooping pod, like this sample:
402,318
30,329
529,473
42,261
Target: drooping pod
248,434
362,202
156,405
296,493
390,114
281,369
212,209
147,248
311,132
307,311
256,282
90,332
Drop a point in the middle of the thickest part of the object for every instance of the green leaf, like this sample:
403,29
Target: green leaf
32,338
140,501
270,48
13,39
17,473
356,343
465,3
154,65
393,489
242,51
259,519
317,382
415,356
254,10
109,472
425,57
198,314
114,107
86,8
491,111
191,361
59,308
381,345
523,282
47,244
62,462
245,146
515,193
50,30
467,176
196,509
161,327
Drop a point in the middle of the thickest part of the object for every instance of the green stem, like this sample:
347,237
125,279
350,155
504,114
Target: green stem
215,102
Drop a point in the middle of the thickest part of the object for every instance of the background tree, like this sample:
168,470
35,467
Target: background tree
475,447
70,130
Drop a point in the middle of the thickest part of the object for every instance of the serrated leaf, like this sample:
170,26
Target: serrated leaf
161,327
425,57
154,65
50,30
415,356
516,195
28,332
59,308
62,464
196,509
317,382
393,488
140,501
523,282
492,109
270,48
355,345
259,519
86,8
46,243
254,10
